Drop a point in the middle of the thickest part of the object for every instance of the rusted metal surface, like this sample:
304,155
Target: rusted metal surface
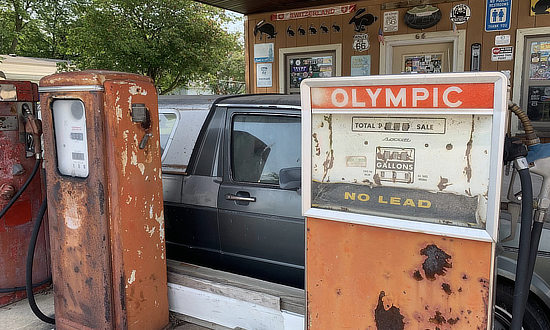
16,225
110,271
362,277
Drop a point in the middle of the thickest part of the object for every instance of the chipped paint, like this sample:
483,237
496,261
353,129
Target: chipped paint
141,168
329,161
468,155
150,231
388,319
160,221
436,263
132,277
137,90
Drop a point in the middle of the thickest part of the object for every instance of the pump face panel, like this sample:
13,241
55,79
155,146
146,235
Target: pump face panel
401,179
70,137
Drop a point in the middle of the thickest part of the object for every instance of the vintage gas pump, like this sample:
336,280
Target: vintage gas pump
401,189
102,159
20,189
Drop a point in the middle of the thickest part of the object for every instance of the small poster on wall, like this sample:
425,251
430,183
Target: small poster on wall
263,53
360,65
264,75
391,21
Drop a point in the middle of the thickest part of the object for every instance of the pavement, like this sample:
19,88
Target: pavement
18,316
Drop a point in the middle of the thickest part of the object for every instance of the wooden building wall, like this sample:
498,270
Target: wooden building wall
475,33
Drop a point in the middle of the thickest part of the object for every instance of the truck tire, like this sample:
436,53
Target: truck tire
535,314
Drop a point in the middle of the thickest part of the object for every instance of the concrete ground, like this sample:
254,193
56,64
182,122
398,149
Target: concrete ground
18,316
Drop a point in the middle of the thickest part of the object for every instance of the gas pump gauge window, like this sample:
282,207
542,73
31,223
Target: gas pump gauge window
70,136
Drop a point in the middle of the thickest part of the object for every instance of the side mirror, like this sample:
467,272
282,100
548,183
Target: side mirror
290,178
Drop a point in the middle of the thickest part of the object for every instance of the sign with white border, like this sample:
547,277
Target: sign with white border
391,21
479,95
264,74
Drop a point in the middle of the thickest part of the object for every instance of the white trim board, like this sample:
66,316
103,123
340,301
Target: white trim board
521,34
229,312
458,39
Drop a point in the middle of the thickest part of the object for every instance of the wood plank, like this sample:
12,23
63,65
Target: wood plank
476,34
292,299
313,31
247,45
301,38
525,20
324,31
445,24
222,289
542,20
514,17
374,50
335,29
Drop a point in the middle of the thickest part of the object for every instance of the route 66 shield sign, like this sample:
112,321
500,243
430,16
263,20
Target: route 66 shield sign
361,42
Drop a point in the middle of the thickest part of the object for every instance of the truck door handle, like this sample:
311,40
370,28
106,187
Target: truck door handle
231,197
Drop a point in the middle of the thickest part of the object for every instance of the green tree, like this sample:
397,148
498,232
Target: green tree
229,78
171,41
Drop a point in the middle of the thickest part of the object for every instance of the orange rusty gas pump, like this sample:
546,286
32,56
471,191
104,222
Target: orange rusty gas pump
102,159
401,192
20,189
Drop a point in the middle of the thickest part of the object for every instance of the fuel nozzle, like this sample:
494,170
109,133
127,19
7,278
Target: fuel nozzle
33,128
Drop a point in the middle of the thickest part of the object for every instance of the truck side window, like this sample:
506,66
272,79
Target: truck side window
261,145
167,122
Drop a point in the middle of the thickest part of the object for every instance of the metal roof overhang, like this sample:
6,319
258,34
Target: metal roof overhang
248,7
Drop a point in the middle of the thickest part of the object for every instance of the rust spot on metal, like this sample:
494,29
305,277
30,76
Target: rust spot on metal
338,292
464,277
449,146
447,288
101,196
468,168
438,318
317,147
453,321
329,161
390,319
417,276
436,263
377,179
443,183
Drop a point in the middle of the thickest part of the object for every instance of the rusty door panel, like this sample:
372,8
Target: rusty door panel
137,216
404,280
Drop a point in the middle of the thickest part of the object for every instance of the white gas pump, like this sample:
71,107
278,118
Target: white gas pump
401,193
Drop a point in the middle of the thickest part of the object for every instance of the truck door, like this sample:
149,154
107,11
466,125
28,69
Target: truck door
260,225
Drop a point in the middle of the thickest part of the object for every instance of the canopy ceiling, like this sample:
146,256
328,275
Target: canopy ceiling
257,6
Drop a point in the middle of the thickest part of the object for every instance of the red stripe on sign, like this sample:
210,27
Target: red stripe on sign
434,96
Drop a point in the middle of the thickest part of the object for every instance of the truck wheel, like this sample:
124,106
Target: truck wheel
535,315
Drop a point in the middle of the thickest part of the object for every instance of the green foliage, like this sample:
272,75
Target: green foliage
172,41
229,79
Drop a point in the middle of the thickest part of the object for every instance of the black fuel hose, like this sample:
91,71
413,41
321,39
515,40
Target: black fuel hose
521,288
30,259
23,288
535,239
23,187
